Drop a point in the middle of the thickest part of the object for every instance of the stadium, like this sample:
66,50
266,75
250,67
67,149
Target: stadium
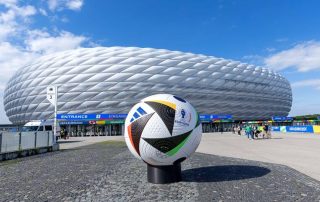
110,80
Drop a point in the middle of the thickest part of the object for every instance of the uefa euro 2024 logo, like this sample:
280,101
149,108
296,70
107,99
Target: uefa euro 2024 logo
184,118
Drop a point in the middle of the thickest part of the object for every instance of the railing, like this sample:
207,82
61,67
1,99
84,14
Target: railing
19,141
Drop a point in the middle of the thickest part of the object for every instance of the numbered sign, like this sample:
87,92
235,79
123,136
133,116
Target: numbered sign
51,94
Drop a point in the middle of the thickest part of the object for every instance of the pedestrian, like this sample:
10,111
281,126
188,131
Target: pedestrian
66,134
268,132
247,131
62,133
221,129
239,130
255,132
251,132
265,131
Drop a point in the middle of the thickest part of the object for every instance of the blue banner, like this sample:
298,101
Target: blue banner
215,116
90,116
204,116
72,122
221,116
282,118
275,128
305,129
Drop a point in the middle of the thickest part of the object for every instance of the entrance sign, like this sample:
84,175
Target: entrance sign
90,116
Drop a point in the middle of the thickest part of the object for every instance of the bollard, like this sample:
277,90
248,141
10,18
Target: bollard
48,139
35,140
19,142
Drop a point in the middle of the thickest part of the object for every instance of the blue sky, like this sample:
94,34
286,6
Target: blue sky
282,35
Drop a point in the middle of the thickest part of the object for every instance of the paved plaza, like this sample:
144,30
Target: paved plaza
107,171
296,150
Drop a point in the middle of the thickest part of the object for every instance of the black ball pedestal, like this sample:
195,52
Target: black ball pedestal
164,174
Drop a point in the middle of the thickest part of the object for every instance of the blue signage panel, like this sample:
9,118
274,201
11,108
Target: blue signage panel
282,118
305,129
221,116
275,128
204,116
215,116
90,116
72,122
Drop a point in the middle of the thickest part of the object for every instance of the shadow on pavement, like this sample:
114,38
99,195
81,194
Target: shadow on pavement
67,141
223,173
273,138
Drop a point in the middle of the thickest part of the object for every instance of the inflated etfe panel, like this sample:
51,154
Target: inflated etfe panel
112,80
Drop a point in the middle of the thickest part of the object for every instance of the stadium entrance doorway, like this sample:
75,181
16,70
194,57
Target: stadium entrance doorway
93,130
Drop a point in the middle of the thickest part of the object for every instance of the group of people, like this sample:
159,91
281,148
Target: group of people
64,134
252,132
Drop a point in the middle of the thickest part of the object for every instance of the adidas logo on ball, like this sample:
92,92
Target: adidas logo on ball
162,129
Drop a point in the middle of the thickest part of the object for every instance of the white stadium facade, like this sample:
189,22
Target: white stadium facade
106,80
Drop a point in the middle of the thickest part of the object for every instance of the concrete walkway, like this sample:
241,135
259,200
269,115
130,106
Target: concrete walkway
297,150
74,142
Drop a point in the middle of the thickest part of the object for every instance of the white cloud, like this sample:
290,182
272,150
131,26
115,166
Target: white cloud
52,4
14,19
8,3
5,31
20,43
315,83
303,57
12,58
75,4
59,5
45,43
43,12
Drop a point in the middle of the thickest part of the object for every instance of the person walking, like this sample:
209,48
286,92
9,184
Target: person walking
221,129
268,132
247,131
255,132
239,130
251,132
265,131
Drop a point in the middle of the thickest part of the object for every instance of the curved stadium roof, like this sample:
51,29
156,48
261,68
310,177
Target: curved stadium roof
111,80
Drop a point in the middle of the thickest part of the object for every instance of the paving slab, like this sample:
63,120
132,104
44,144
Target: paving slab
107,171
74,142
300,151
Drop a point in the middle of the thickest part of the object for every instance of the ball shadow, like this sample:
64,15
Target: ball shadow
223,173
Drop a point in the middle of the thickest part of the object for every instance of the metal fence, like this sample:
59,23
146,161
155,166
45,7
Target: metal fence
19,141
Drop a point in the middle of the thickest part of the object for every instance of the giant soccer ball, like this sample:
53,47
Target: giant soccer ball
162,129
